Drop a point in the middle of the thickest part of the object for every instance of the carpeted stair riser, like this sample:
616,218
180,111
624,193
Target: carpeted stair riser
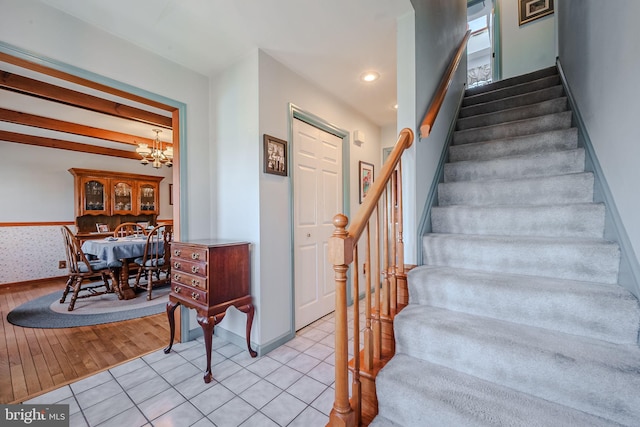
564,139
573,307
517,167
512,81
574,220
513,129
442,397
512,101
516,318
552,106
568,258
563,189
510,91
585,374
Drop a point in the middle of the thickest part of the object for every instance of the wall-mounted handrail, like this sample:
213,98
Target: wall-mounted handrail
438,99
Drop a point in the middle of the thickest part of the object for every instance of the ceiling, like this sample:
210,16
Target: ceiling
328,42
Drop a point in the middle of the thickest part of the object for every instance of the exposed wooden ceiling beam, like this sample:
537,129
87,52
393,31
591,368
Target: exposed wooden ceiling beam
34,66
65,145
66,96
41,122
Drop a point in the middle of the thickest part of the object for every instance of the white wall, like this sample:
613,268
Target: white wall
408,118
440,26
234,124
279,86
49,33
600,55
525,48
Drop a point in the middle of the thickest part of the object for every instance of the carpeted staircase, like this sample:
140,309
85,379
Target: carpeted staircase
516,317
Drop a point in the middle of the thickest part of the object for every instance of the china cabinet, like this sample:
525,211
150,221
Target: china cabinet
110,198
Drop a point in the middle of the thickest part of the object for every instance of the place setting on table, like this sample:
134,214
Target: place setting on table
127,251
117,252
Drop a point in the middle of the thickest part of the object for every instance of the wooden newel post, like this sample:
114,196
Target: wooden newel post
341,255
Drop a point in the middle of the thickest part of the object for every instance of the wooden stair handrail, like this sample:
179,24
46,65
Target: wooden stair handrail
441,92
341,254
361,218
385,195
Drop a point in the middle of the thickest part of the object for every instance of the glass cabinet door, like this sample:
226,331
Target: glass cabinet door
123,201
148,198
94,200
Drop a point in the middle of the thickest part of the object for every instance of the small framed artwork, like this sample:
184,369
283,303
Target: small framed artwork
102,228
366,179
171,194
275,155
530,10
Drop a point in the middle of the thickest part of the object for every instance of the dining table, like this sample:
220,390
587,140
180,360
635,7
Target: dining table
118,253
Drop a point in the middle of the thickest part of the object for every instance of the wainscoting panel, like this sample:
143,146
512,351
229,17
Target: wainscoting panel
30,252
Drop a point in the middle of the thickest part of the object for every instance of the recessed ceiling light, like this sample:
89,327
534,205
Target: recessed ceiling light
395,107
369,76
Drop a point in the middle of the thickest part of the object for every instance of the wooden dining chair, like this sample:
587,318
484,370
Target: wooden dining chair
129,229
81,269
156,257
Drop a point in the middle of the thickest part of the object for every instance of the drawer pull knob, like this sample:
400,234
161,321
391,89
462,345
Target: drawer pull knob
176,277
195,282
176,265
195,296
177,252
195,255
195,269
177,289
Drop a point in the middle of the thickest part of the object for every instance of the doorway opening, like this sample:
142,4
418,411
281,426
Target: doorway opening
481,64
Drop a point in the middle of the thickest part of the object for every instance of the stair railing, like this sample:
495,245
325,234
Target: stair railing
376,230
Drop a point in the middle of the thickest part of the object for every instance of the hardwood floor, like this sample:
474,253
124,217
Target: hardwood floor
33,361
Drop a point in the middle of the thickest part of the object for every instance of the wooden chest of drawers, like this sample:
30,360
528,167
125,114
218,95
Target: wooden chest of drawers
210,276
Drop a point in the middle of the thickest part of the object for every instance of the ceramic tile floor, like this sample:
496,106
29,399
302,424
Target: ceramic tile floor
292,385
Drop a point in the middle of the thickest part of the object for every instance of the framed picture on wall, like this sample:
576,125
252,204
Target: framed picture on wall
171,194
530,10
366,179
275,155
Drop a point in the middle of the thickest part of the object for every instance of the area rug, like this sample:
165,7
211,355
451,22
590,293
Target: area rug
47,312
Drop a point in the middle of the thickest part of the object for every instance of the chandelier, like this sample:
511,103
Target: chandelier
155,154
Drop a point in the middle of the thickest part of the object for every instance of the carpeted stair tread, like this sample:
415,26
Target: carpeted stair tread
516,128
551,106
590,260
571,220
573,307
512,81
516,316
381,421
589,375
563,189
516,167
506,92
563,139
442,397
512,101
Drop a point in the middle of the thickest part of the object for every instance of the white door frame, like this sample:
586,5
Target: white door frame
313,120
